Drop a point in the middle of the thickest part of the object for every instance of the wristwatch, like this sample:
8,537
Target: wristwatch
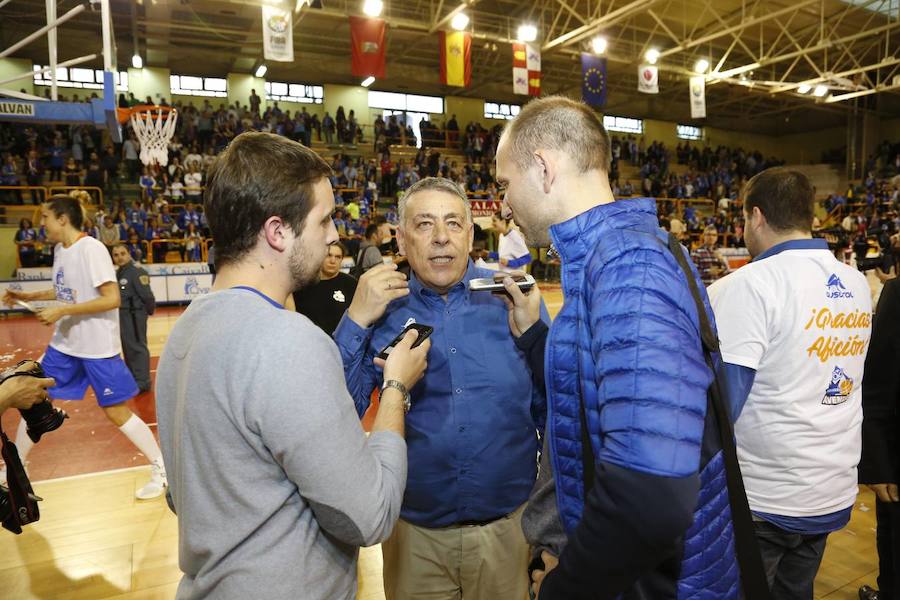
393,383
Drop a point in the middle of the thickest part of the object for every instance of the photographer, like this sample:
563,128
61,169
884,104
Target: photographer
23,392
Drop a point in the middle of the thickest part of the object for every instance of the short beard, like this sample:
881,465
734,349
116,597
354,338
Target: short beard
536,239
303,274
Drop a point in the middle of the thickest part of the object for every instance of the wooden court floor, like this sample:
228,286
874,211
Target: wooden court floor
95,540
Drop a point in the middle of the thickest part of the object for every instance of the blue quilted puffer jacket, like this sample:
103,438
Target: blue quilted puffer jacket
626,343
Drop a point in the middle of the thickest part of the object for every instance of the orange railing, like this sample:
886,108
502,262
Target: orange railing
25,192
177,244
95,192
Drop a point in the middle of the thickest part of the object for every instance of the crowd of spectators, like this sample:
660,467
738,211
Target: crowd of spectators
35,154
866,218
149,230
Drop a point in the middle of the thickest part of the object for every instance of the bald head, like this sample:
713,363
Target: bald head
561,124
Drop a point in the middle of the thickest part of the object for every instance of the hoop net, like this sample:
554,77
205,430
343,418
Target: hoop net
154,127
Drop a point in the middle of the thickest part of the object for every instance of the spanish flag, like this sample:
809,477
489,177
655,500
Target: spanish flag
456,58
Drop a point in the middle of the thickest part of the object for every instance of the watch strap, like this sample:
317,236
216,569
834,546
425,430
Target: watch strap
393,383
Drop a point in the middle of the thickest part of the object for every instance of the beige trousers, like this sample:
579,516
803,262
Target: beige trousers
471,562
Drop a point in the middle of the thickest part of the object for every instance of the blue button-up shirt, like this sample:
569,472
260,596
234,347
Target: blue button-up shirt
471,434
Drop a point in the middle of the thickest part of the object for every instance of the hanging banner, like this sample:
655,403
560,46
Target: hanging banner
456,58
526,70
278,36
648,79
367,39
698,97
593,79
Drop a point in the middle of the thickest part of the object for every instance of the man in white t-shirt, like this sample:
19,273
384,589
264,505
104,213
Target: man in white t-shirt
192,181
85,349
512,251
794,326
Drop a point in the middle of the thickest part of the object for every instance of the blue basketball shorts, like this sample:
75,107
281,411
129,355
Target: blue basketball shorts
110,378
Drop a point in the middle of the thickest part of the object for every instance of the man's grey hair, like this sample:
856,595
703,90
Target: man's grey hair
437,184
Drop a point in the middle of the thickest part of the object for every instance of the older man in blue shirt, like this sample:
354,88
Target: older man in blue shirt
472,429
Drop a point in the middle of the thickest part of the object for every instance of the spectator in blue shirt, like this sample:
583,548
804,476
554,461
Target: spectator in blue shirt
137,217
472,430
187,216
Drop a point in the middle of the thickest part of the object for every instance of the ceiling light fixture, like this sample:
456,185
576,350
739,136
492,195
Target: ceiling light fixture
137,62
701,65
460,21
652,56
803,88
261,70
373,8
820,91
368,81
599,44
527,33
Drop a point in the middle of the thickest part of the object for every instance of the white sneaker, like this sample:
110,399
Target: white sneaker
157,484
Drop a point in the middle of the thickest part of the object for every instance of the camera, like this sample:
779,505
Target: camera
42,416
18,502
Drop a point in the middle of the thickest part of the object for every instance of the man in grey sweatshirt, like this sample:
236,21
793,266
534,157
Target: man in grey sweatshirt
273,479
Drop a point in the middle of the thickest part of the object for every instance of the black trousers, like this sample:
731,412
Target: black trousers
133,332
791,560
888,541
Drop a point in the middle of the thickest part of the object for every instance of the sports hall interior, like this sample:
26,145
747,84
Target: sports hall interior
811,84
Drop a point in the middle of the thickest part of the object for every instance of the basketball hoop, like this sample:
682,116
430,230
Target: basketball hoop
154,126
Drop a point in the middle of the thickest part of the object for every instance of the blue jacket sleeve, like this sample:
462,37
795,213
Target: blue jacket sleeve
739,381
359,370
650,381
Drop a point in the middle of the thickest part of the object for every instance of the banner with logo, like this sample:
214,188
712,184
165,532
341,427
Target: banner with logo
698,97
278,35
367,40
648,79
456,57
526,70
24,109
593,79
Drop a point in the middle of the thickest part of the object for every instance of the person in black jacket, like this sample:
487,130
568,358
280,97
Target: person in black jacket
137,303
326,301
880,463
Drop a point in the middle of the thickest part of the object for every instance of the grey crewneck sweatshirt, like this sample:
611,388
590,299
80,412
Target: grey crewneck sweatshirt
275,483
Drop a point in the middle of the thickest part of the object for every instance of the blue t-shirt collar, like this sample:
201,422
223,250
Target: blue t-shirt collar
807,244
260,294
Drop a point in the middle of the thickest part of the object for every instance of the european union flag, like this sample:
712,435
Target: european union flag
593,79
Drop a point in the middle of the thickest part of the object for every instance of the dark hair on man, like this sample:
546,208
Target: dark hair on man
784,196
340,247
62,205
372,229
498,214
559,123
259,175
118,245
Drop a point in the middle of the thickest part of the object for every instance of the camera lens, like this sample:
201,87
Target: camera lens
41,418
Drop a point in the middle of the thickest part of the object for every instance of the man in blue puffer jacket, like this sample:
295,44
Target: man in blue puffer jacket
623,356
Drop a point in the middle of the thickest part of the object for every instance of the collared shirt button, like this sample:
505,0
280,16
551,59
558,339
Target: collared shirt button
462,428
458,390
452,350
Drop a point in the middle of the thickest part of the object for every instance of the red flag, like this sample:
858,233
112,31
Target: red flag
367,39
456,58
